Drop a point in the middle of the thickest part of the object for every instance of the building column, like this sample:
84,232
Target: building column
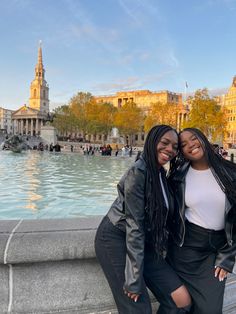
21,126
32,127
37,126
27,126
139,138
17,126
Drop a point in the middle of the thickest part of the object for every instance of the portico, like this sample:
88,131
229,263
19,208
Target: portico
28,121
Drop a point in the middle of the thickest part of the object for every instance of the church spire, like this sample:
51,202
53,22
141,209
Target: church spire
39,69
40,58
39,89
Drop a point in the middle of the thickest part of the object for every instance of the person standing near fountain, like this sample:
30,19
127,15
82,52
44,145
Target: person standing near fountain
132,238
203,248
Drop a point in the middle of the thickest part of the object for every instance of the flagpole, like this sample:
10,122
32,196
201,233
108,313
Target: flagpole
185,90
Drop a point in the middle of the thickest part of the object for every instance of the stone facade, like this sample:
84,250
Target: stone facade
39,89
145,98
28,120
6,121
229,103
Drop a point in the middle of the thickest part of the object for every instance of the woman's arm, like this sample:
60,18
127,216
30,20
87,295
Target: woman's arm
134,202
225,258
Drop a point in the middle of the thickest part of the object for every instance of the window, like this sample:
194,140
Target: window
119,102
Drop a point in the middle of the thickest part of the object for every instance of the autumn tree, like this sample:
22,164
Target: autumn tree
90,116
207,115
161,113
63,119
105,117
79,107
129,119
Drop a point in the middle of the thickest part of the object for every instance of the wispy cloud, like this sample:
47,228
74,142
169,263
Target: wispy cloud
147,80
129,10
229,4
134,55
117,85
156,24
130,83
140,10
218,91
83,27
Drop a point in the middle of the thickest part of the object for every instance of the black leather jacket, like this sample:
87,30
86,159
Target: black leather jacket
226,256
128,213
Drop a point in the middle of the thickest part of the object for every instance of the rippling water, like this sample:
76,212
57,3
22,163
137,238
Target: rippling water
46,185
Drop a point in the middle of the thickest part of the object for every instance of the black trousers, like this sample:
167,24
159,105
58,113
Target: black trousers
110,247
194,262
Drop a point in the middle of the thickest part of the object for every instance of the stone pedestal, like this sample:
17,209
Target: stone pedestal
48,134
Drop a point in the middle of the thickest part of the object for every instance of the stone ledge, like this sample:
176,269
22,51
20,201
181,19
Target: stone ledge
47,240
51,268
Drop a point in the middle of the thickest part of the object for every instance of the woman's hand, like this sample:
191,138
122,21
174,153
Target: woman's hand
132,296
220,273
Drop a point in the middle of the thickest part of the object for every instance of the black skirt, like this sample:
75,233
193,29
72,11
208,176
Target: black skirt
194,262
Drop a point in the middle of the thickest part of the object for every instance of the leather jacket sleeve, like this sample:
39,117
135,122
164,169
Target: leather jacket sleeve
226,256
134,202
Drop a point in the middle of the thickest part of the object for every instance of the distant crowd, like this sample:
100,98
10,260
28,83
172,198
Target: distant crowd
51,147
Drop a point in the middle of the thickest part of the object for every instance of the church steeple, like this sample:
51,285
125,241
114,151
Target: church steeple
39,89
39,69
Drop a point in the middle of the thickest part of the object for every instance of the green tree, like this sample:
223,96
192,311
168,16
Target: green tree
79,107
161,113
105,117
63,120
129,119
90,116
207,115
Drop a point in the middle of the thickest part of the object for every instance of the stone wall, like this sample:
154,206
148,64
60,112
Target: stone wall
49,266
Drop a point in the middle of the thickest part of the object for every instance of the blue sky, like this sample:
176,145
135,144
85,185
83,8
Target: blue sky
103,46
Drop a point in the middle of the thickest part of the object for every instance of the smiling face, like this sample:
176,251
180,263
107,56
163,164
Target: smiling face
167,147
191,147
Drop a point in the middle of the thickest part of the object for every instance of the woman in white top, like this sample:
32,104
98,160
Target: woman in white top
203,248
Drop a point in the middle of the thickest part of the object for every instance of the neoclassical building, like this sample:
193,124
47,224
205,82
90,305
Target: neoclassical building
228,101
144,99
28,120
6,125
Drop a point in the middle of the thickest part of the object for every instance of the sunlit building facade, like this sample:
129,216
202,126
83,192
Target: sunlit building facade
144,99
6,121
28,120
229,102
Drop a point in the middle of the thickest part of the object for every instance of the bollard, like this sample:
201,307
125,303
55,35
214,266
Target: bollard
232,157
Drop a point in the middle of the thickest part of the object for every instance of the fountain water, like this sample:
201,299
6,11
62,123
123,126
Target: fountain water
115,137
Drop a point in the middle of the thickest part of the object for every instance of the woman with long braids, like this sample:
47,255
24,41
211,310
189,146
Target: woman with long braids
132,237
204,246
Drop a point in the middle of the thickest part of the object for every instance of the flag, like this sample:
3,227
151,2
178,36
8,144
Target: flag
186,84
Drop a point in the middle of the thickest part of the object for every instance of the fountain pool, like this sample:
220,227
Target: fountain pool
38,185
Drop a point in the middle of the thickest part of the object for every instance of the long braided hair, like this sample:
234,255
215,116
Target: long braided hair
223,170
155,203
